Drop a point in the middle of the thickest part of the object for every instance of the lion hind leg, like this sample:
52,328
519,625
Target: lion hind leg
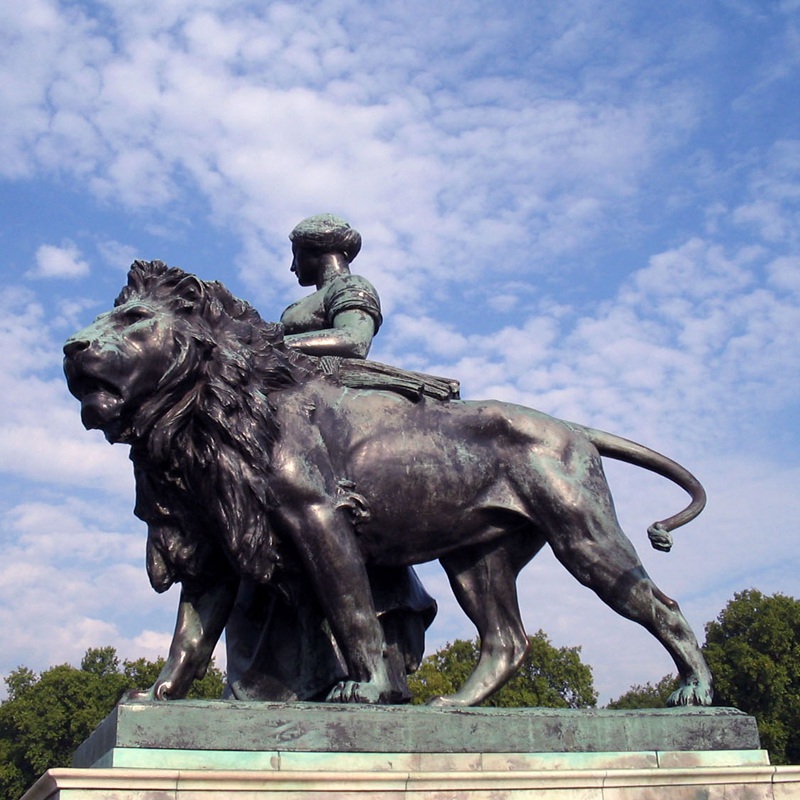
484,583
588,541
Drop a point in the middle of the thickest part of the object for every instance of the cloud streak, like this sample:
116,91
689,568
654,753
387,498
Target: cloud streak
59,262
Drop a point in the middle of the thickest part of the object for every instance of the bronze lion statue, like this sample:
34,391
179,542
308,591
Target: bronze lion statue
253,464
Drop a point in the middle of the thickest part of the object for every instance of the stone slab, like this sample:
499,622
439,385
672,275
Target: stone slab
148,758
311,727
699,783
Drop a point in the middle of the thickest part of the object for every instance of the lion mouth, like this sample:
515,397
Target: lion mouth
101,400
82,386
100,410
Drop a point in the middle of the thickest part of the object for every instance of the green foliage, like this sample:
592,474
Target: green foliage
550,676
47,716
443,671
753,650
142,673
209,687
648,695
19,680
100,661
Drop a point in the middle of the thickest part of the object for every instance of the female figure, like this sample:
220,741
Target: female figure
344,313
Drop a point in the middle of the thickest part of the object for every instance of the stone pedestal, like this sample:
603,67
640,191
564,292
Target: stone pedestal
191,750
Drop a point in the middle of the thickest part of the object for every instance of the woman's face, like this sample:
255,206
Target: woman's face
305,265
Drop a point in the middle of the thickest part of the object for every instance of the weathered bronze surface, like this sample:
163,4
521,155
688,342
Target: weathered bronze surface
257,470
314,727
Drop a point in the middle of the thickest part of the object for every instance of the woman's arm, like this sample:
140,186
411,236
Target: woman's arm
350,337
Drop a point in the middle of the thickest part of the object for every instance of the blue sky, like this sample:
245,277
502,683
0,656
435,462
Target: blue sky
586,207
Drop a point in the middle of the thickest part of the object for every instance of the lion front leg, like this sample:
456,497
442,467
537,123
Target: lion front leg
335,566
358,633
202,616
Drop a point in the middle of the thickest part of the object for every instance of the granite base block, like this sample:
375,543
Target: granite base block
731,783
146,758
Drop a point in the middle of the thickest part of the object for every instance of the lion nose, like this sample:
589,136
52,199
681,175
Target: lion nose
74,346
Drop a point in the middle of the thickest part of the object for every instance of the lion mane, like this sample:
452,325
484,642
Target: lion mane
204,437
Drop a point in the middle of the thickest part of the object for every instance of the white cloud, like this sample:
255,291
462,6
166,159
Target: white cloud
784,272
59,262
41,437
116,254
41,452
467,165
687,346
64,578
21,322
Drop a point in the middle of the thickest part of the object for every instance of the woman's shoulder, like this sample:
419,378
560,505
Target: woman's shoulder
349,293
356,284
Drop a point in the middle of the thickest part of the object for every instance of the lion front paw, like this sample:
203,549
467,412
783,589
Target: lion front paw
158,691
163,690
371,692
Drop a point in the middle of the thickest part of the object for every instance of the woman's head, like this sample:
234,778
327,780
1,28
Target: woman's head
326,233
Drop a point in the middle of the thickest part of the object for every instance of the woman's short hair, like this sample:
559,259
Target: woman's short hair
327,233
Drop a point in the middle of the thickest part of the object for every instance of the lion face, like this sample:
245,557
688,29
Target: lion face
124,358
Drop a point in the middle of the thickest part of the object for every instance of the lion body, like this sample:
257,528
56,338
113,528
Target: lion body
431,476
246,454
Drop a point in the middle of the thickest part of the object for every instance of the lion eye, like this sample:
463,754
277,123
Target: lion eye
137,314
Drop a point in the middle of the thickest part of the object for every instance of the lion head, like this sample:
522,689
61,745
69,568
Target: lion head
181,370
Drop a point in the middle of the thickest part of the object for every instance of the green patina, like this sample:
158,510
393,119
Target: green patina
327,728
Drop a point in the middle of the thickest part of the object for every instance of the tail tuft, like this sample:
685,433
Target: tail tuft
660,537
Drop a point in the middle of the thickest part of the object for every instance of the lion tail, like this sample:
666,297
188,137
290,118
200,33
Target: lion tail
616,447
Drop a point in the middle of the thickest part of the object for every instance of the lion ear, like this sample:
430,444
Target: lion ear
191,292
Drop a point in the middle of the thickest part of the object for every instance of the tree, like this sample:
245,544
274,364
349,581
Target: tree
101,661
753,650
46,717
550,676
647,695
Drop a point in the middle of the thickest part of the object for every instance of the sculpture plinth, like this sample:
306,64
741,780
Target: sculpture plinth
222,749
209,726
